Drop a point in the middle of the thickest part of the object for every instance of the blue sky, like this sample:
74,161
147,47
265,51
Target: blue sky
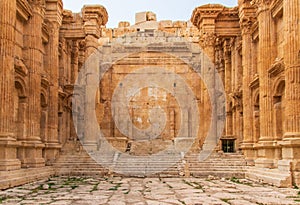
124,10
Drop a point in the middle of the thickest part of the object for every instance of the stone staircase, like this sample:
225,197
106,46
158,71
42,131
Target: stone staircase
217,164
74,160
273,177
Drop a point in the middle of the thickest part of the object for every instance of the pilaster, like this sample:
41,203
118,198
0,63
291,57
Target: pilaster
266,56
31,149
54,19
247,18
291,138
8,143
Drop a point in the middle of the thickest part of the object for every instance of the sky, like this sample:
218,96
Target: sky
124,10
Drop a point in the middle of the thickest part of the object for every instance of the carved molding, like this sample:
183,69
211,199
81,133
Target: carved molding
206,11
24,11
20,67
255,32
260,3
254,83
208,39
54,10
277,9
276,68
45,33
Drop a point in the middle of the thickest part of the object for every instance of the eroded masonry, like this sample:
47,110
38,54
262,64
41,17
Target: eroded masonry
254,47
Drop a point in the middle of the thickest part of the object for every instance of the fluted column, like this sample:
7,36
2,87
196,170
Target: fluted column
95,17
265,59
247,17
54,17
8,143
33,56
291,138
228,87
292,68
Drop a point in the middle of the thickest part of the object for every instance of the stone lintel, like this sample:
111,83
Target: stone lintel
74,33
91,28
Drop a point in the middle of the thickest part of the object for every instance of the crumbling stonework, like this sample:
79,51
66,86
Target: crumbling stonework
255,48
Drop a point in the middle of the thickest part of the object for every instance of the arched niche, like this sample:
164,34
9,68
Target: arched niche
44,116
278,108
256,116
20,111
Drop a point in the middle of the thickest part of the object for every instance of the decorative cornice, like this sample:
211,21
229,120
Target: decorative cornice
96,12
255,31
277,8
261,5
20,67
24,10
206,11
276,68
45,33
254,83
45,82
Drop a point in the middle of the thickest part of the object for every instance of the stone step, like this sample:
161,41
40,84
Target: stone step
225,165
270,176
23,176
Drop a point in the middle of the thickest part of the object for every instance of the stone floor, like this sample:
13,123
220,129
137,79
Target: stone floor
139,191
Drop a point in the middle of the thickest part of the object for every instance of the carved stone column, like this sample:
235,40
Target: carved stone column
94,17
54,17
228,87
33,56
291,138
8,142
265,59
247,18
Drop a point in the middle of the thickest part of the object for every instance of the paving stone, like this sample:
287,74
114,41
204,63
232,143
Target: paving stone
137,191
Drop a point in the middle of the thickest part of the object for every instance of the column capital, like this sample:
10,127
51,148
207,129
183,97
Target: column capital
208,39
246,25
261,5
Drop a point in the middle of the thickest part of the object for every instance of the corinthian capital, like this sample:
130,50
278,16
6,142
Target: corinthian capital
246,25
208,39
260,3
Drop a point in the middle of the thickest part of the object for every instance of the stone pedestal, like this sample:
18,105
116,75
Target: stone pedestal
30,154
8,153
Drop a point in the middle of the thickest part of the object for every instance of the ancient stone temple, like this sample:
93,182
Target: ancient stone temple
254,49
